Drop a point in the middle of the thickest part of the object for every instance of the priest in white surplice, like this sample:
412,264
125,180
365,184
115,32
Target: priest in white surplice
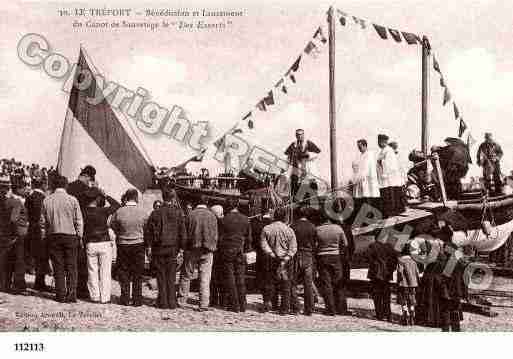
390,179
365,180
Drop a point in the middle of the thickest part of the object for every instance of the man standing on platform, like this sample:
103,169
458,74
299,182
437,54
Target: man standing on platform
299,153
489,156
366,186
78,190
390,179
62,227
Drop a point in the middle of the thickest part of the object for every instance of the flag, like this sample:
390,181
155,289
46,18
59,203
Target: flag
248,115
102,136
312,49
447,96
381,30
261,105
295,65
411,39
321,36
456,111
360,22
250,124
462,128
343,16
470,141
292,78
436,66
281,84
396,35
442,81
269,99
236,131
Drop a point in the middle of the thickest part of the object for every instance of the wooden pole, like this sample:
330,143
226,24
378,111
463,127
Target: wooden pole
426,51
332,109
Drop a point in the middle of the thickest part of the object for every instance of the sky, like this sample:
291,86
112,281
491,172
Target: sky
219,75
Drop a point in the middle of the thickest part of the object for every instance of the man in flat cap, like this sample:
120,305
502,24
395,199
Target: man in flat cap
489,156
78,189
390,179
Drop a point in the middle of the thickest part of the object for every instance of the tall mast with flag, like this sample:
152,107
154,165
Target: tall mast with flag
332,109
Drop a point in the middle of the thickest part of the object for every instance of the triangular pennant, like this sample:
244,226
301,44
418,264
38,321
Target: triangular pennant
292,78
381,30
248,115
470,140
261,105
250,124
294,67
456,111
410,38
436,66
447,96
311,49
318,34
396,35
359,21
279,83
442,81
462,128
342,21
269,99
284,89
236,131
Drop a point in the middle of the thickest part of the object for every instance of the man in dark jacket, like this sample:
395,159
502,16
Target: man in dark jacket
11,223
235,242
489,157
78,189
165,237
34,203
306,236
382,261
202,235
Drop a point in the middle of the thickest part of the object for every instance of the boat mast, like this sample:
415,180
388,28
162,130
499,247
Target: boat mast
332,109
426,52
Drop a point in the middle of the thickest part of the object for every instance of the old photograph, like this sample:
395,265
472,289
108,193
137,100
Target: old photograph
252,166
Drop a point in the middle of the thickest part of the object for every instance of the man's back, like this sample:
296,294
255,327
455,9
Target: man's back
77,189
202,229
331,238
166,227
61,214
236,231
279,239
34,205
306,235
128,222
10,211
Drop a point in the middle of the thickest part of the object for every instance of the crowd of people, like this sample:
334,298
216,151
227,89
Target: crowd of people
75,231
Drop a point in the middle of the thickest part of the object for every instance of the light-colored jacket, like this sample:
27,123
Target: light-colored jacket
366,177
61,215
389,168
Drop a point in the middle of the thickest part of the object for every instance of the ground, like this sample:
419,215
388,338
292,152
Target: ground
39,312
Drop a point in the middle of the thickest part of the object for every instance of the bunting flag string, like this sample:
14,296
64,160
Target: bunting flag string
382,31
313,49
462,128
456,111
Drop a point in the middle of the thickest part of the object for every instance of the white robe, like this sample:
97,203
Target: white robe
389,168
366,177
